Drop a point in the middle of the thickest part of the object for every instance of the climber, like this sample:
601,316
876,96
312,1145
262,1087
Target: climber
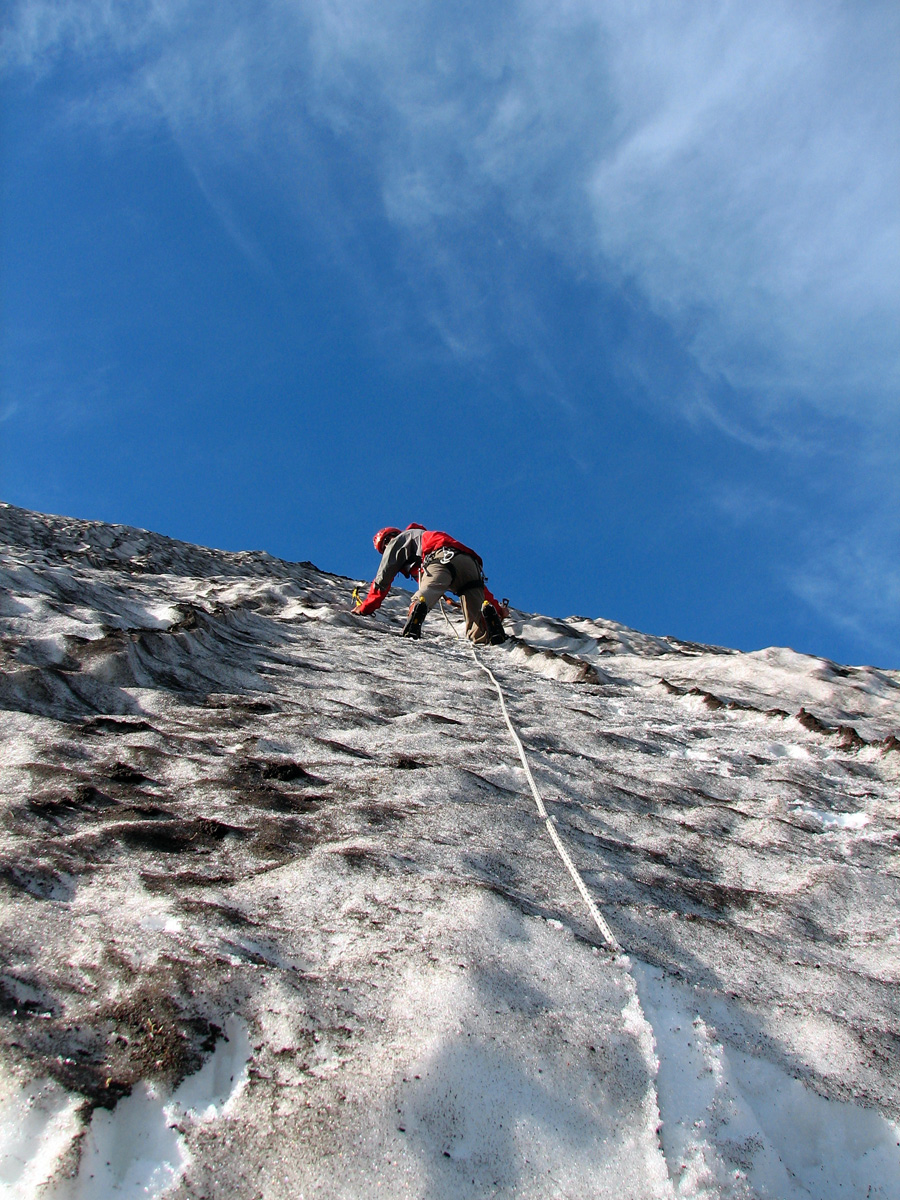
439,563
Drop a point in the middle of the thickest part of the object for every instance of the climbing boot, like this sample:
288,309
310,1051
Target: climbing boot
417,612
493,623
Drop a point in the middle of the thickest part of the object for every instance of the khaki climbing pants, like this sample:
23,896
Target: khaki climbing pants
458,572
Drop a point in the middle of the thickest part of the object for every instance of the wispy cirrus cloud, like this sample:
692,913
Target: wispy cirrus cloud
848,545
853,581
735,164
751,191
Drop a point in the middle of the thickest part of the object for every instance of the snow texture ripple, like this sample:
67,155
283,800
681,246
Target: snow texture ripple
280,919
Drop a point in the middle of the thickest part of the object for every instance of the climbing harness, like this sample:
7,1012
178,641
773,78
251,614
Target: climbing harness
599,920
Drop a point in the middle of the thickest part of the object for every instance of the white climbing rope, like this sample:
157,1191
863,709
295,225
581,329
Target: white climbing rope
599,920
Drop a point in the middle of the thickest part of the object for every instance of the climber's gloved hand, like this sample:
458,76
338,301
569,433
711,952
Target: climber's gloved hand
371,603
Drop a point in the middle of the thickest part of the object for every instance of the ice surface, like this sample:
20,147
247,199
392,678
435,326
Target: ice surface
731,1119
138,1149
834,820
230,806
132,1151
38,1122
208,1094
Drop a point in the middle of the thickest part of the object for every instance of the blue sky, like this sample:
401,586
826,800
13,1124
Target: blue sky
608,290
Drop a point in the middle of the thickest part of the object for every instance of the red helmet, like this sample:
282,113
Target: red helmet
383,536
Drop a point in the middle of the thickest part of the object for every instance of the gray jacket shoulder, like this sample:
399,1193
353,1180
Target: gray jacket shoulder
404,553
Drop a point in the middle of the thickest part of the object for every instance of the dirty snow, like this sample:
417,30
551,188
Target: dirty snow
280,919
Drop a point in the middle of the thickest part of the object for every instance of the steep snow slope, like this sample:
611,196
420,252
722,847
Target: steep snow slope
279,918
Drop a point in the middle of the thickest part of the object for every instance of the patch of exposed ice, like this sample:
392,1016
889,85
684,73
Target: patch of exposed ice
138,1149
733,1121
779,750
161,616
131,1151
38,1121
834,820
213,1090
161,923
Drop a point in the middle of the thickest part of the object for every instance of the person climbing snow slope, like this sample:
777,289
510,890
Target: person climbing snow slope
439,563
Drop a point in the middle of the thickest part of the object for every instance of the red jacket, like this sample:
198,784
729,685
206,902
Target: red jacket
433,540
406,554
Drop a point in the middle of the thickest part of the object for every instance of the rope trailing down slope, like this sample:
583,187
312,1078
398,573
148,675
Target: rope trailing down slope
599,920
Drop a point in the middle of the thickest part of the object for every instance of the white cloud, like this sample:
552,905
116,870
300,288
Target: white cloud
853,581
735,163
752,191
38,32
748,504
847,561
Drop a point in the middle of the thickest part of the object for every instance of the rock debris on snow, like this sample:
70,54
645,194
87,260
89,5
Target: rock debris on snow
279,918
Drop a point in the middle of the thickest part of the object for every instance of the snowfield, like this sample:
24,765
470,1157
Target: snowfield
280,918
